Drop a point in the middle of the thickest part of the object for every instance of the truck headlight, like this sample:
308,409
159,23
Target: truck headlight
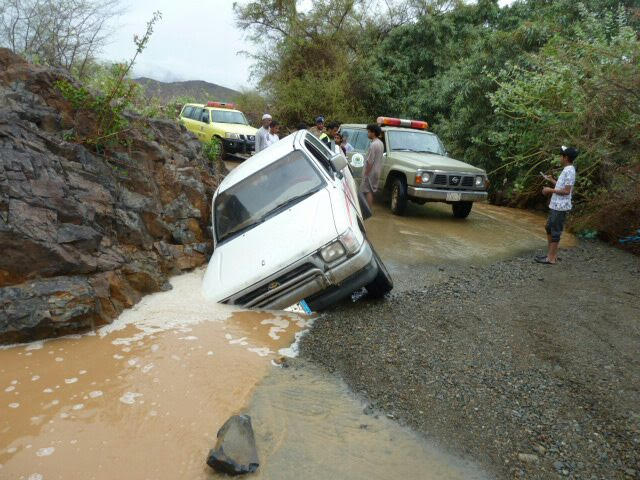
332,252
350,241
479,181
233,136
423,177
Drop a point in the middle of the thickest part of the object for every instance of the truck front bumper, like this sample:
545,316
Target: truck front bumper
437,195
238,146
310,277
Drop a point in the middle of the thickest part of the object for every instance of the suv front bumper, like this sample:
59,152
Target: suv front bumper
312,278
238,145
438,195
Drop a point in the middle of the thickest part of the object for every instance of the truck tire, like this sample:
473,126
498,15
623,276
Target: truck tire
398,196
461,209
383,283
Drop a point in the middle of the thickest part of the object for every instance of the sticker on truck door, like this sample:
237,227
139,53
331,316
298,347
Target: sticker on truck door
454,197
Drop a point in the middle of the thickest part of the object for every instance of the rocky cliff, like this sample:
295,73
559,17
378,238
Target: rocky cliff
83,236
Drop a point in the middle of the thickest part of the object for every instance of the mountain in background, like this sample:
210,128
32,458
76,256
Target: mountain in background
199,90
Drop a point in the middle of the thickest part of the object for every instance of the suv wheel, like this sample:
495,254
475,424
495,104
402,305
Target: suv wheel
383,283
461,209
398,196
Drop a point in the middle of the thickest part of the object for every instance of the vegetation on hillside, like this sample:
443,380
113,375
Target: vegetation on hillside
503,87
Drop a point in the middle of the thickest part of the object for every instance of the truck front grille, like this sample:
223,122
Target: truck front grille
440,180
278,286
467,182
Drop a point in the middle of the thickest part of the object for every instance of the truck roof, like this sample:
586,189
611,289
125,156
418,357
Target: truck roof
385,128
202,105
259,161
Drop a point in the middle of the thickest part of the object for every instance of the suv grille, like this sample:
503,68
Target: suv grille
453,181
281,280
467,182
440,180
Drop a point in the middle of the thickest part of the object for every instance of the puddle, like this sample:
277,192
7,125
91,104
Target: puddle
144,396
430,235
309,426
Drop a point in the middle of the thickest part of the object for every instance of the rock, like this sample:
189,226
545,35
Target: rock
83,235
527,457
540,449
235,451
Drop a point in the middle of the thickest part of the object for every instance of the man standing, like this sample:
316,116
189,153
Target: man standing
274,130
262,135
330,132
372,164
318,128
560,203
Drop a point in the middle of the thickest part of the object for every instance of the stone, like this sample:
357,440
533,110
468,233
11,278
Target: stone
235,451
527,457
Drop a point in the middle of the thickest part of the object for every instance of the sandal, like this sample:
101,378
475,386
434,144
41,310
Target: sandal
544,261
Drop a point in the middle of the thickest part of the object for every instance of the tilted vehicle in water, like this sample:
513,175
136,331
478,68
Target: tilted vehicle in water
287,226
417,167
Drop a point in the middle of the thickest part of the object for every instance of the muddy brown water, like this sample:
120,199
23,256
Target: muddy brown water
144,397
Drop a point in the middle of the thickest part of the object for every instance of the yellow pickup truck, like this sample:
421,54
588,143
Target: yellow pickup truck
221,120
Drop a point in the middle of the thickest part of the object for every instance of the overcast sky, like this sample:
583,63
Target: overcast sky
195,40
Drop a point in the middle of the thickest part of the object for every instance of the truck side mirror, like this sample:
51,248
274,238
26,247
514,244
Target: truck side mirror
339,162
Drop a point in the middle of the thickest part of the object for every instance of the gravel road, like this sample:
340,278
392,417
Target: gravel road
532,370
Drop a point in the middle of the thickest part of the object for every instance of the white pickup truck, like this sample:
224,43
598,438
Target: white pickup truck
287,226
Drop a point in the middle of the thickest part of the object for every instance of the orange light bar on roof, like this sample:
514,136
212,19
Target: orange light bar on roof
399,122
231,106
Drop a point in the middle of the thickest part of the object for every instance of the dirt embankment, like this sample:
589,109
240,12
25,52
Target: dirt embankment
533,370
83,235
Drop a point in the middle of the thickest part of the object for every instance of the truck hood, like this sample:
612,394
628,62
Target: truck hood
236,128
431,161
270,247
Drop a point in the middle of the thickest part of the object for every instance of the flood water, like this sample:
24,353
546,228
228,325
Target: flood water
143,398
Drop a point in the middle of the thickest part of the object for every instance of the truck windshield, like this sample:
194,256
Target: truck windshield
221,116
415,142
264,194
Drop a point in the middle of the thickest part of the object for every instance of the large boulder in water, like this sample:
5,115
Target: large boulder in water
235,451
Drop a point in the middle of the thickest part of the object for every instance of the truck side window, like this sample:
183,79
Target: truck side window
196,114
319,152
361,141
205,116
187,111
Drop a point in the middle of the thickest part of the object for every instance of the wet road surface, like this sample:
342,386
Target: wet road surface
145,396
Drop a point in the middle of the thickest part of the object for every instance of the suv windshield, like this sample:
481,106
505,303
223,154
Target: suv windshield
221,116
415,142
264,194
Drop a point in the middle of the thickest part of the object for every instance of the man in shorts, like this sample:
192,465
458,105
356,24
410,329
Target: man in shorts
560,203
372,164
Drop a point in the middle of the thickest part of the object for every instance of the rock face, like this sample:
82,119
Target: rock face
235,451
83,235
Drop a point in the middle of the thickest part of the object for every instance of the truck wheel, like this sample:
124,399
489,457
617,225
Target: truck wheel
398,196
383,283
461,209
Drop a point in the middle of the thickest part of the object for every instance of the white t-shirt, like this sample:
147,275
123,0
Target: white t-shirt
271,139
562,203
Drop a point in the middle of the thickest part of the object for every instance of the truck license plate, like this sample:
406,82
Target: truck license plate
453,197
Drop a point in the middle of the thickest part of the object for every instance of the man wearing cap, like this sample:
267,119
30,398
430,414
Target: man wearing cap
262,135
318,128
560,203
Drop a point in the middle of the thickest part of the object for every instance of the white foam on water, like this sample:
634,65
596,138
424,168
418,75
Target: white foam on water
47,390
133,361
12,450
190,337
35,476
59,359
279,326
237,341
209,352
155,347
78,406
129,398
14,405
293,350
14,382
95,394
82,372
9,389
147,368
69,381
117,357
37,345
35,378
261,351
45,452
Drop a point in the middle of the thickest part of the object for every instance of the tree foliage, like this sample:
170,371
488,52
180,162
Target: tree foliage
502,86
60,33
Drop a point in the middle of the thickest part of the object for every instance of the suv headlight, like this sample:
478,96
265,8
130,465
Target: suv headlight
234,136
350,241
479,181
332,252
423,177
